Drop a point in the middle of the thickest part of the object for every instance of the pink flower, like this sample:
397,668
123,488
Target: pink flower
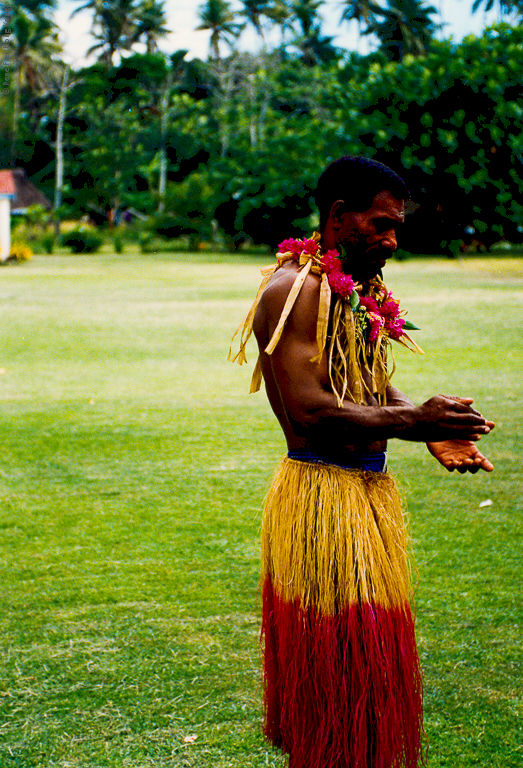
341,283
290,246
395,328
390,308
370,304
310,247
330,261
376,324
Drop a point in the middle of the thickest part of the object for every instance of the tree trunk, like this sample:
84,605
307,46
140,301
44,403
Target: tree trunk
16,112
164,126
59,148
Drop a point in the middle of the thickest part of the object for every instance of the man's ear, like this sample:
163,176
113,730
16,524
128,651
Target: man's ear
336,211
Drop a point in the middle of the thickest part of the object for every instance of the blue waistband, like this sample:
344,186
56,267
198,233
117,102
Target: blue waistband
370,462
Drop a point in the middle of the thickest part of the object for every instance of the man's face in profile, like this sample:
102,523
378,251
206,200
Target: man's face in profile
370,237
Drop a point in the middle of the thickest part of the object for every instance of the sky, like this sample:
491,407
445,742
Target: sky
182,19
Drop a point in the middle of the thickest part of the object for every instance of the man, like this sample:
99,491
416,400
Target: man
343,686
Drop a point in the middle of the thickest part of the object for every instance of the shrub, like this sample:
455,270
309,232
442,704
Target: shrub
118,243
20,252
82,240
47,243
146,240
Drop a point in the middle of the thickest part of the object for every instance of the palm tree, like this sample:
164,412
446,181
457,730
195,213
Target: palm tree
505,7
115,26
277,11
151,20
406,28
281,16
313,45
253,10
218,16
35,42
361,11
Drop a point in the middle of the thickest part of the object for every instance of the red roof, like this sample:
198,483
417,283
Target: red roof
23,192
7,183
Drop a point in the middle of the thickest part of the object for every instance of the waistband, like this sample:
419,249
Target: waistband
369,462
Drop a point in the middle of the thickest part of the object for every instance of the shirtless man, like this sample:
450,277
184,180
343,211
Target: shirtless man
342,675
299,390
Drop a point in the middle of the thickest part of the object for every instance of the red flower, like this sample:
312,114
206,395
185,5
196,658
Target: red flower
310,247
290,246
330,261
390,308
376,324
341,283
370,304
396,328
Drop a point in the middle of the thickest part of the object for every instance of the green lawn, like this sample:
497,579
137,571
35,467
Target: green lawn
133,468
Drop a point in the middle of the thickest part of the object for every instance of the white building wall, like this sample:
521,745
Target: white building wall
5,228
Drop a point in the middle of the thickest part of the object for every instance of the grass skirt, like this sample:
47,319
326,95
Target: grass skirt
342,676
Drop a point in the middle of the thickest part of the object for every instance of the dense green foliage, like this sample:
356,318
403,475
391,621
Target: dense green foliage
240,139
134,465
82,240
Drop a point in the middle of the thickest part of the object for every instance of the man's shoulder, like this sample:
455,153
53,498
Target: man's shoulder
281,283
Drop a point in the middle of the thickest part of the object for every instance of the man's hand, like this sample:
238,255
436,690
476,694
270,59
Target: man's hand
462,455
445,417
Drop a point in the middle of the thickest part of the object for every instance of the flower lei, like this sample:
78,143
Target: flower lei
354,327
375,316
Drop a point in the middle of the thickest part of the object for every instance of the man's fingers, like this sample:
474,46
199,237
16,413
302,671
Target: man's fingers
473,421
464,408
465,400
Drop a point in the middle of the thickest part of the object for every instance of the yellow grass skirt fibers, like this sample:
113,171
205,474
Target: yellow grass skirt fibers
333,537
342,677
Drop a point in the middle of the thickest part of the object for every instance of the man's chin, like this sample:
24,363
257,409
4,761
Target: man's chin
365,266
369,272
375,267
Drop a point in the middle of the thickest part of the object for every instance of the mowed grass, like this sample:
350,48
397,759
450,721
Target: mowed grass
133,469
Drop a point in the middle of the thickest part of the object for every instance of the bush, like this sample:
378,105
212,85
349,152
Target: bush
168,225
82,240
20,252
118,242
146,240
46,243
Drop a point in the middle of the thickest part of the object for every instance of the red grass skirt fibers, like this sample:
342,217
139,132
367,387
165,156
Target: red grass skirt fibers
342,691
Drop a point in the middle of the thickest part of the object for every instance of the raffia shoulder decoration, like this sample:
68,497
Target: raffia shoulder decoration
355,326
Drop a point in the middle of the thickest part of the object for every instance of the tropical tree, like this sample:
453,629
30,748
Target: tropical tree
281,14
253,11
218,17
151,20
361,11
314,46
115,26
405,28
505,7
34,45
275,11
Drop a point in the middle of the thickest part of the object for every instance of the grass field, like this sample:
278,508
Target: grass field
133,467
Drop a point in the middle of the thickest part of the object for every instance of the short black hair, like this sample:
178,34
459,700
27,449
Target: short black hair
357,180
